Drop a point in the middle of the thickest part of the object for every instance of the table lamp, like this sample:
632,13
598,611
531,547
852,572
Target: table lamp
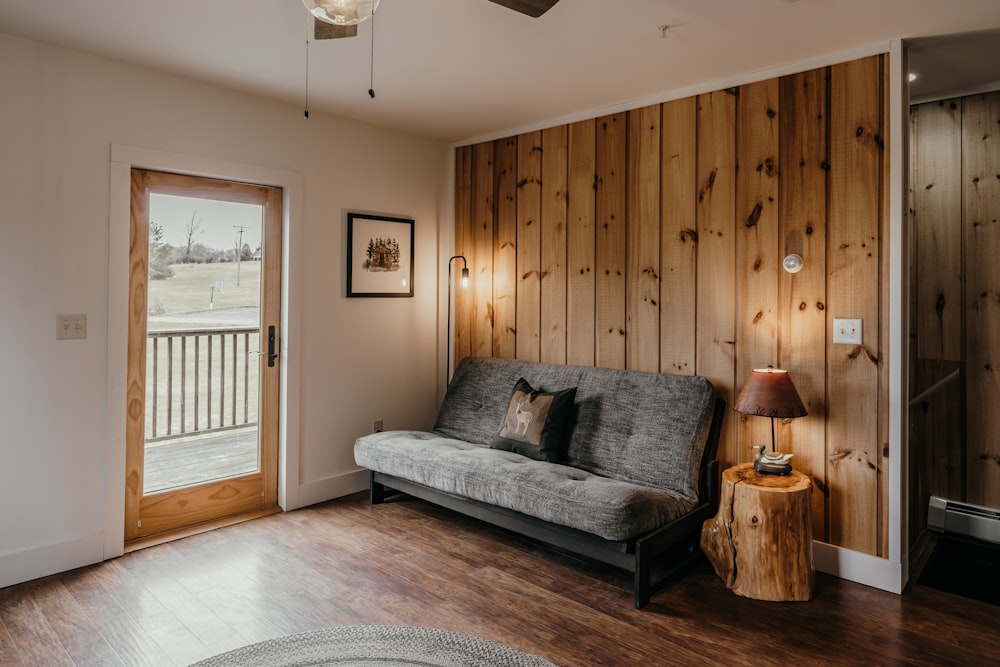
769,392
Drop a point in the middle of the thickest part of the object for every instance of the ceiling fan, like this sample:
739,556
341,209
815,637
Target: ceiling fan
340,18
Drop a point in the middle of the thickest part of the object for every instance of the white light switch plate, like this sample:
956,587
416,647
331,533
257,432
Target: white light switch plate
846,330
71,326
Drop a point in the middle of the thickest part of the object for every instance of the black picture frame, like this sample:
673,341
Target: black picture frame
379,256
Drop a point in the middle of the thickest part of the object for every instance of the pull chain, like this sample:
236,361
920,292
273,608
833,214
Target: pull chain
306,112
371,80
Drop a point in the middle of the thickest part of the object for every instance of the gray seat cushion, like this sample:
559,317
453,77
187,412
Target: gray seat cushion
613,509
648,429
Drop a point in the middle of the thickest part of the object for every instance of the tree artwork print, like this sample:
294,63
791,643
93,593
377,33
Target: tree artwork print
383,255
379,256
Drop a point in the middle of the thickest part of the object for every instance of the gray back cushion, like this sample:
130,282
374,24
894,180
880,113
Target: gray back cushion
647,428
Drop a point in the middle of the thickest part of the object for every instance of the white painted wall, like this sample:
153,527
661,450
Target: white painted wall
60,114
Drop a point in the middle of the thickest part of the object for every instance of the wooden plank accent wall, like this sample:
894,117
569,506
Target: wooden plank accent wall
529,243
554,207
937,461
937,199
757,256
481,253
853,454
884,340
955,427
461,329
505,251
715,328
802,297
678,237
610,251
981,190
581,325
674,221
642,220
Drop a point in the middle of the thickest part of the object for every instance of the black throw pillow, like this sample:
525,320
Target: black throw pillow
537,423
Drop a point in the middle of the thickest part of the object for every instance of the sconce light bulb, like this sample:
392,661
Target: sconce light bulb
792,263
465,277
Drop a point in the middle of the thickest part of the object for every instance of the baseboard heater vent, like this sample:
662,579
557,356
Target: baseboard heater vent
951,516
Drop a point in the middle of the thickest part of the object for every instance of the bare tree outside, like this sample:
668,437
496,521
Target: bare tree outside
192,232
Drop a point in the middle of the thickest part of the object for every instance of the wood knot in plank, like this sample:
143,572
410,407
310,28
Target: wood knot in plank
863,349
707,188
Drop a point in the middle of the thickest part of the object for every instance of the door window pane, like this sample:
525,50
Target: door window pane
203,323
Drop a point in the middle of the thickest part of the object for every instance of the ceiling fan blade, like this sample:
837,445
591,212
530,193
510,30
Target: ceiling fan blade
324,30
532,8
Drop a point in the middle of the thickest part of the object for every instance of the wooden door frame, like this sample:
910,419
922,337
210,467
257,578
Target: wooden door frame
107,540
181,509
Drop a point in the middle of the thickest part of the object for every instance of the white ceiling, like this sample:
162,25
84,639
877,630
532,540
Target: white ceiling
459,69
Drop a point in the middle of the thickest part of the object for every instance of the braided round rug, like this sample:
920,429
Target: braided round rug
368,645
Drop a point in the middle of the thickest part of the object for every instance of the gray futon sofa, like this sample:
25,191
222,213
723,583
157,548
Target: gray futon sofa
620,466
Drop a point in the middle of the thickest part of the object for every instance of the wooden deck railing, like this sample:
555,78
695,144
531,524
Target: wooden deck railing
202,380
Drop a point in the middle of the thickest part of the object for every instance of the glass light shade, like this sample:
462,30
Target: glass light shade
465,277
769,392
341,12
792,263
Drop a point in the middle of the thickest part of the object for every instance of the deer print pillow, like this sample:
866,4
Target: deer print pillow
537,423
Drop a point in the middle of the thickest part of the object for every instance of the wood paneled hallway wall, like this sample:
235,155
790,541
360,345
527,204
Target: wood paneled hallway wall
652,239
955,202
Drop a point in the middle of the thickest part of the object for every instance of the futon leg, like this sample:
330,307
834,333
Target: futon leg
377,490
643,574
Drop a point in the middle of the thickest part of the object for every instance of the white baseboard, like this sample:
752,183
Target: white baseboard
858,567
31,564
329,488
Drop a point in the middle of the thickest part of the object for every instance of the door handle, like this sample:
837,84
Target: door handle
271,354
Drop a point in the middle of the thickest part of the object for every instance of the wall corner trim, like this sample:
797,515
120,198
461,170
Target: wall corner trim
329,488
858,567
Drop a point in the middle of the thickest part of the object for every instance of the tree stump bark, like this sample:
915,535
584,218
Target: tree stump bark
760,542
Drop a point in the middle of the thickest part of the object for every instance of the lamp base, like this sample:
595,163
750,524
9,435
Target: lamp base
765,467
771,463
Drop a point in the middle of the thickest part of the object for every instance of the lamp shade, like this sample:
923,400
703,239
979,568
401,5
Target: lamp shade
769,392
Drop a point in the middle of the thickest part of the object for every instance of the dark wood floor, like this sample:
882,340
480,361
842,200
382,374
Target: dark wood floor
408,563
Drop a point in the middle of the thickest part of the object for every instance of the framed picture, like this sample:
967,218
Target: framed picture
379,256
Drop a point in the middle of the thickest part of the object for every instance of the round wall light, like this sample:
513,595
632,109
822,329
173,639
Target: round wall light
792,263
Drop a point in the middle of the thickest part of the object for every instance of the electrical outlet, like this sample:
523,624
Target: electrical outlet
847,331
377,426
71,326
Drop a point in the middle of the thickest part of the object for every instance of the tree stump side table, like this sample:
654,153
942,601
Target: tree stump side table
760,542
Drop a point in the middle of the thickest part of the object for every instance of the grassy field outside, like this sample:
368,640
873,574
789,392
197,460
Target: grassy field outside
195,290
197,297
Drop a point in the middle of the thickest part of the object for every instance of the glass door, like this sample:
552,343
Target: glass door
203,342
